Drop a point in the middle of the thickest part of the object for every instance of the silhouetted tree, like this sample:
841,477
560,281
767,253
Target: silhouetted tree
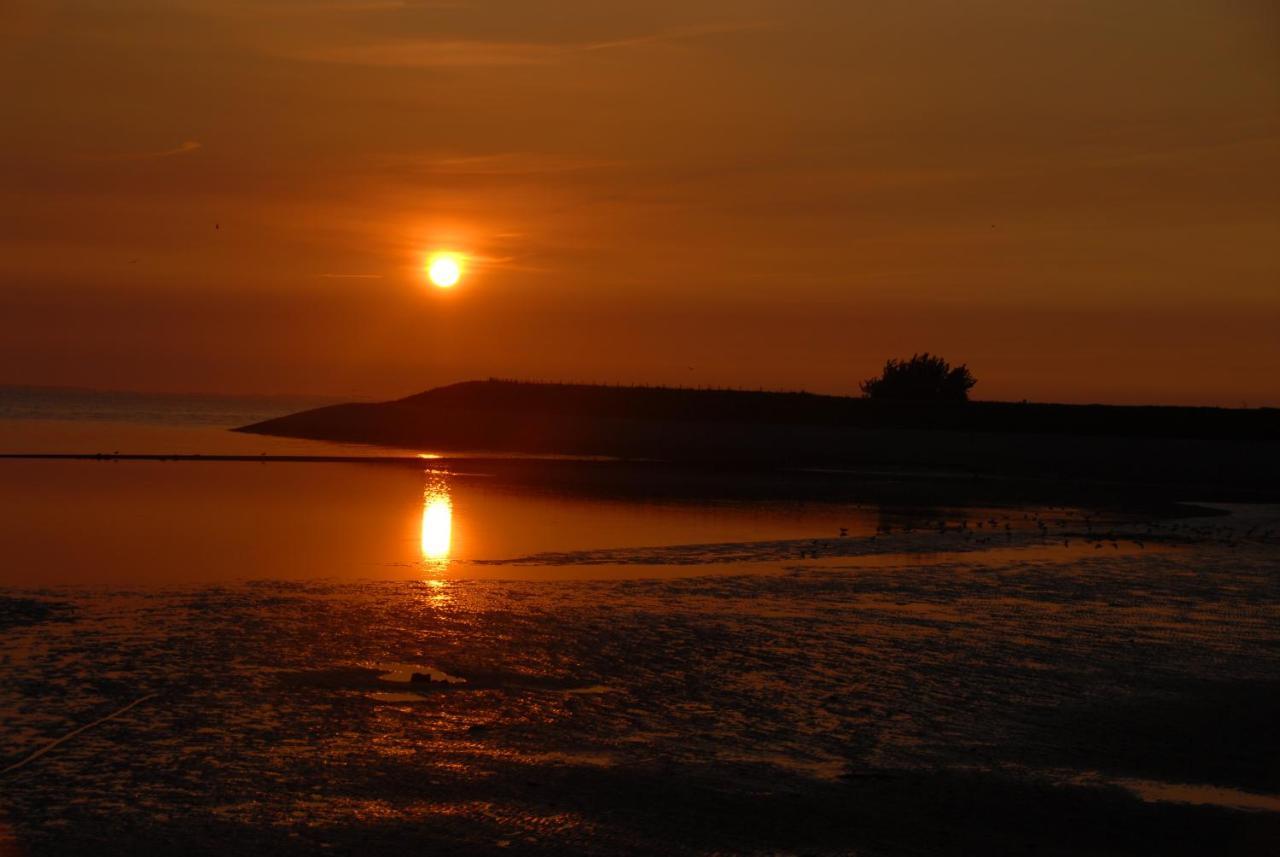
923,378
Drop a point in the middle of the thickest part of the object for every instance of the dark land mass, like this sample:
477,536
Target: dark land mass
1212,453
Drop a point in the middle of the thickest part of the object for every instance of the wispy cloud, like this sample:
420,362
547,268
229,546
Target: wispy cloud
321,8
496,164
479,53
185,147
678,34
181,149
431,53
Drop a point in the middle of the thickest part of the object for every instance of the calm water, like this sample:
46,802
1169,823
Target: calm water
217,521
40,420
616,671
155,522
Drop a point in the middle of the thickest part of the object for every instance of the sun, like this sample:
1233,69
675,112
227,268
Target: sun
444,269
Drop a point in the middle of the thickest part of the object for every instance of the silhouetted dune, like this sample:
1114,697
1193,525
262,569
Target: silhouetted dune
1206,447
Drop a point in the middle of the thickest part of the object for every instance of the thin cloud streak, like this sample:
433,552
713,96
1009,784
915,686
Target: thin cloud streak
477,53
431,53
498,164
679,34
315,8
183,148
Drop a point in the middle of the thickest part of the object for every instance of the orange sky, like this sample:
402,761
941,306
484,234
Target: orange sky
1079,199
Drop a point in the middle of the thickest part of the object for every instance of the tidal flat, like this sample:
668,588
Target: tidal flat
1055,681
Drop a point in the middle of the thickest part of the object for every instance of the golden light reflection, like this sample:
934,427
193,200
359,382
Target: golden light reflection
437,518
438,594
437,524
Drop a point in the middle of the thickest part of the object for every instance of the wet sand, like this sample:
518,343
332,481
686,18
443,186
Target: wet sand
896,693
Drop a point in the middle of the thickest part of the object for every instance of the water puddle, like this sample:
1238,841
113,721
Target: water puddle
1159,791
1155,791
382,696
819,768
583,759
417,674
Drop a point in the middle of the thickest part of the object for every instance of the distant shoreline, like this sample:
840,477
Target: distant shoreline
1217,452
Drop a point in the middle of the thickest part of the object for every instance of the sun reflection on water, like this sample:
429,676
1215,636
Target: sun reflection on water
437,521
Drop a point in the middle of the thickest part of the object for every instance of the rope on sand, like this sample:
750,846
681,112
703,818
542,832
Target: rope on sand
73,733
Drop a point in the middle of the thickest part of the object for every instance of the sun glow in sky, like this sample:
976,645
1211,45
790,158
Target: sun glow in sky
1078,200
